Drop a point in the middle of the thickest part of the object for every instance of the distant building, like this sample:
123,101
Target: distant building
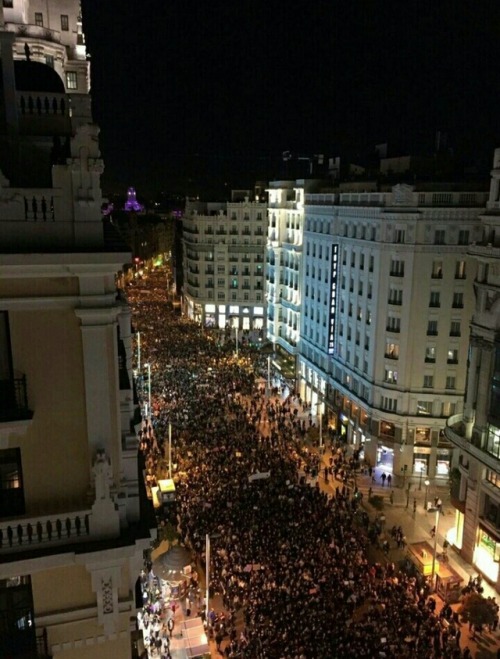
476,432
73,524
132,204
223,263
387,298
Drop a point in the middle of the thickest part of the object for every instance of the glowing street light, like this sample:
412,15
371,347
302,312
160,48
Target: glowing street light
138,351
427,483
148,366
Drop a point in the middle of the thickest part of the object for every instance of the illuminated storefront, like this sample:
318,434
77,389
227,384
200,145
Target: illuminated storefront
487,554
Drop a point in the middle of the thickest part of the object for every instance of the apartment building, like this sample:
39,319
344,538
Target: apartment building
475,432
387,297
223,262
72,527
284,269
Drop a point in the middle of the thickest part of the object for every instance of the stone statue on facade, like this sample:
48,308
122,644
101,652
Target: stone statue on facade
102,475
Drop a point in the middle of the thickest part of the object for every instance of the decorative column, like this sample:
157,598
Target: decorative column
470,394
100,366
483,385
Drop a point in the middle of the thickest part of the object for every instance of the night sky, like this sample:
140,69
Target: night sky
194,94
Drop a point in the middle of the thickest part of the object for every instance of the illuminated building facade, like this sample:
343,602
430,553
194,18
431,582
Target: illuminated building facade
223,263
71,533
387,297
476,432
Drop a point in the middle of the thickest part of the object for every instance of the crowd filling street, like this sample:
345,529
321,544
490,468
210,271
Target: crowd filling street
290,562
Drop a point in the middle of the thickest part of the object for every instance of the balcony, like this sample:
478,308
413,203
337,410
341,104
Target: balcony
455,433
28,534
13,400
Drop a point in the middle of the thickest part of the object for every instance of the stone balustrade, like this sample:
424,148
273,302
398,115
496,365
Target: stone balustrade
45,531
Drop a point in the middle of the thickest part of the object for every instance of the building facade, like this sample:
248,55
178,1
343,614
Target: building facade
72,531
223,263
476,432
387,296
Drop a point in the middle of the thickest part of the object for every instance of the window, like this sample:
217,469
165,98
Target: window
439,236
493,441
393,324
361,261
460,270
448,409
220,269
391,377
396,296
463,237
392,350
437,270
430,354
49,61
8,4
221,295
400,236
71,80
397,268
424,407
428,381
458,301
450,382
11,483
221,282
455,328
64,22
39,18
452,357
432,328
434,300
389,404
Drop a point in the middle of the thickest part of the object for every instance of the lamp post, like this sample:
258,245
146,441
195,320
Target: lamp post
427,483
169,450
320,426
269,375
236,339
148,366
433,571
207,575
138,351
421,474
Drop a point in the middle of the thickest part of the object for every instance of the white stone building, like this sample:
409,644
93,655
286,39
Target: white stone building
223,263
386,302
476,432
71,532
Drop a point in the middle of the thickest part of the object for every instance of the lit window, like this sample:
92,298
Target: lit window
71,80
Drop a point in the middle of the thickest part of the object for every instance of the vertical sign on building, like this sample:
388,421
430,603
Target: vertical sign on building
333,299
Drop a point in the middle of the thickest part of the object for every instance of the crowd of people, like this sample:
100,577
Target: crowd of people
289,560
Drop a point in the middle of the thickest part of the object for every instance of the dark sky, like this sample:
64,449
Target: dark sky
196,92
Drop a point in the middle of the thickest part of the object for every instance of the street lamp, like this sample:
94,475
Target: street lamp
236,339
421,474
269,375
169,450
427,483
148,366
207,574
138,351
320,425
433,572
